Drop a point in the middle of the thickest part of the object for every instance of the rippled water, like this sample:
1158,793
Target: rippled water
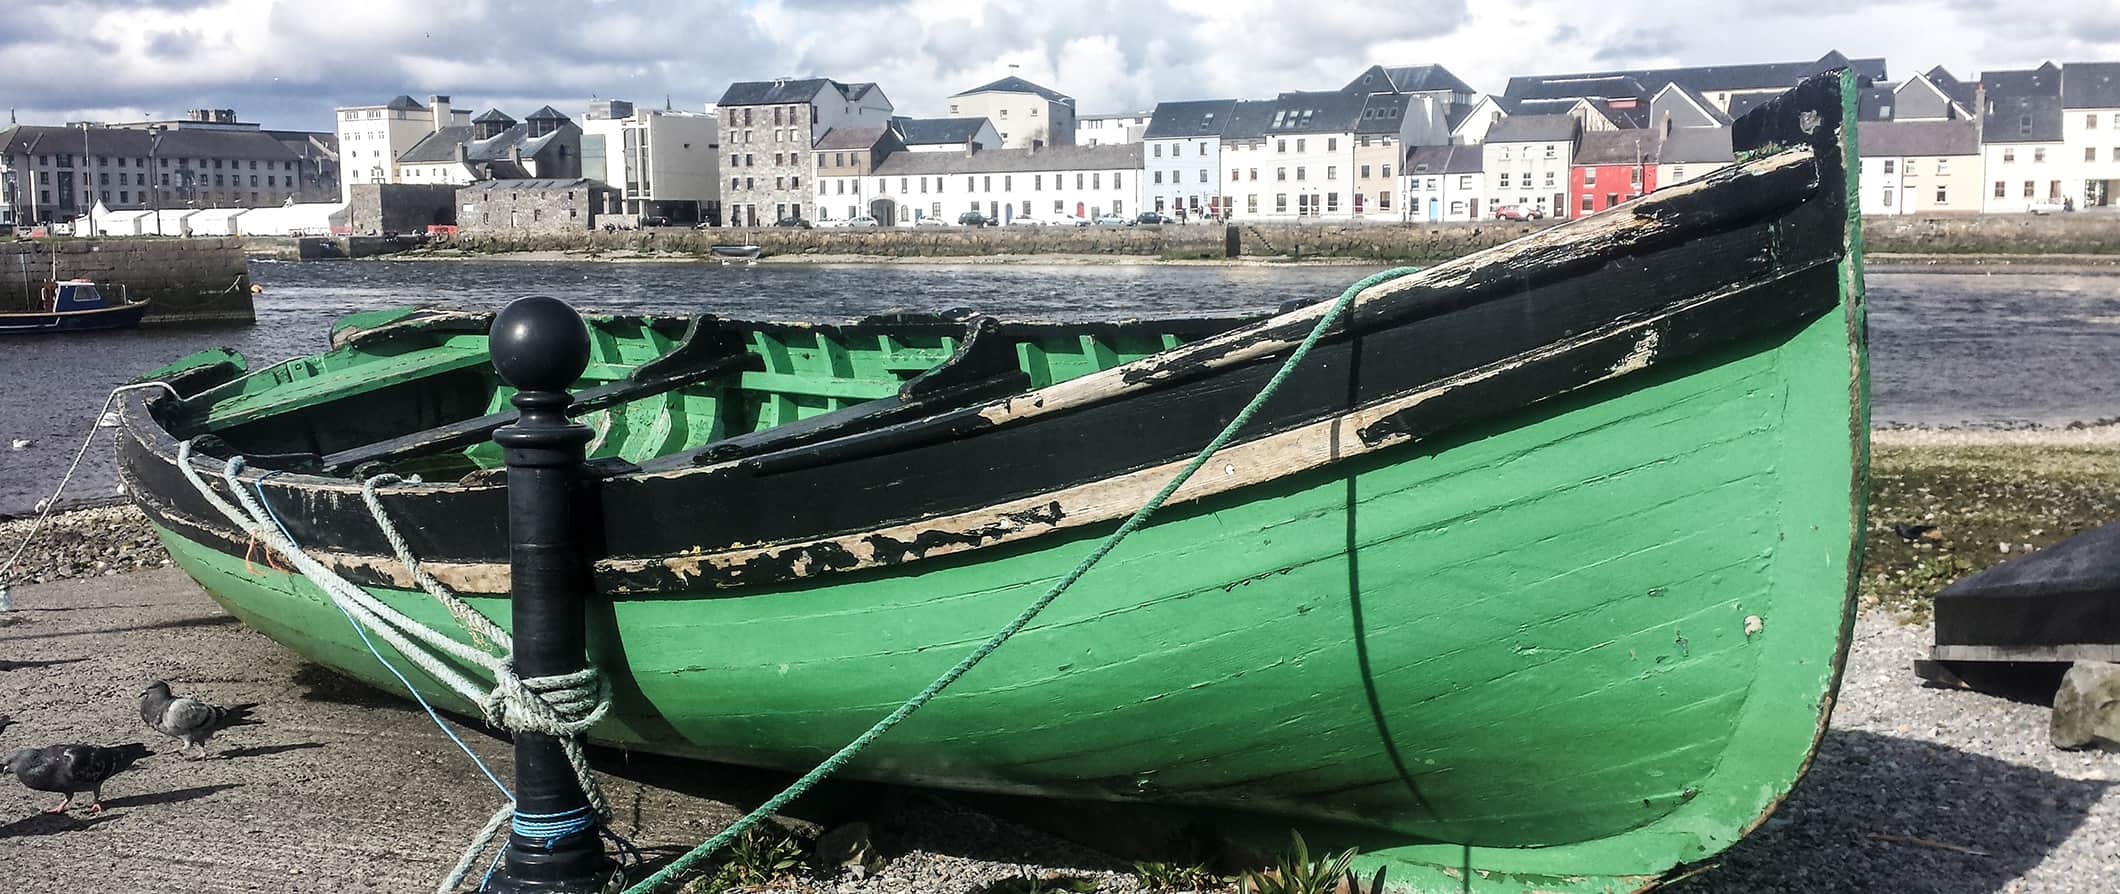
1946,349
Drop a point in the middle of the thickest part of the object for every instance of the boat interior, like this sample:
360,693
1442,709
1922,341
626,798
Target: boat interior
413,391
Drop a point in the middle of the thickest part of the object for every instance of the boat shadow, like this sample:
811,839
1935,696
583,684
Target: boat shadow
1975,823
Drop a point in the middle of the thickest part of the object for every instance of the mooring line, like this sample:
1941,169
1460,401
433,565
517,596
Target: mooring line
7,603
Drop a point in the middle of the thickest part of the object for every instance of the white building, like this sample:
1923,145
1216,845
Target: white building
1114,129
1444,183
1526,160
1058,184
1471,130
2025,154
546,145
371,138
1025,114
2090,128
664,163
1687,153
1182,154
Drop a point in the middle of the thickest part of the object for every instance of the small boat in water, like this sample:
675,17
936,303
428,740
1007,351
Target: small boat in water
727,253
71,306
1536,575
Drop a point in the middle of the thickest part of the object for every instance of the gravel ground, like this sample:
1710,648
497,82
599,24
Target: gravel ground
1914,789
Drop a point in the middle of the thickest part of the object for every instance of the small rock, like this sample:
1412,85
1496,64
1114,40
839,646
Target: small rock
2087,708
849,847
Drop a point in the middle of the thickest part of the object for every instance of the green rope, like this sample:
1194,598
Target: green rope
839,758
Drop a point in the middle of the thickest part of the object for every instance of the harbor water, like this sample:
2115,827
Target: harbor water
1951,349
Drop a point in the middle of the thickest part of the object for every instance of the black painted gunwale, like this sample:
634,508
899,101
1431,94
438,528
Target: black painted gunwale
860,483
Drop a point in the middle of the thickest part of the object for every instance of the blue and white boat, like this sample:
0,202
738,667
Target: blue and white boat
71,306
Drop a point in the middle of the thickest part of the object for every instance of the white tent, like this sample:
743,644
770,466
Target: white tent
125,223
172,223
290,220
215,221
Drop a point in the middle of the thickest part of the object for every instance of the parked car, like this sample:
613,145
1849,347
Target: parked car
1026,222
1113,220
2048,206
1064,219
795,222
1518,212
973,219
1153,217
863,221
931,222
655,221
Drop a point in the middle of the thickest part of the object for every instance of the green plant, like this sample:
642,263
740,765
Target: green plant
761,856
1028,883
1156,876
1296,873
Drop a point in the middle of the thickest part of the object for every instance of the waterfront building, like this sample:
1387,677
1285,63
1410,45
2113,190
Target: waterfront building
767,131
1182,157
53,174
1688,153
1111,129
1732,89
534,205
1052,185
1527,159
664,163
547,146
2023,142
1613,166
845,160
1922,166
371,138
2090,130
1444,183
1025,115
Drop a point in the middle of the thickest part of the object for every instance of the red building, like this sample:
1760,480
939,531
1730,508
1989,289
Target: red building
1610,167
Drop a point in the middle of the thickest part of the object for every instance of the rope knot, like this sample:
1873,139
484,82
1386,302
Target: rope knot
562,706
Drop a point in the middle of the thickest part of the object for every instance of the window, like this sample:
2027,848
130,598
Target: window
1096,181
1203,152
1332,201
2116,153
1235,175
1465,181
1505,179
1254,176
1332,144
1457,209
1280,145
1299,144
1365,172
735,160
1280,203
2090,121
1385,171
1505,153
2024,125
1203,175
1332,172
1549,179
1549,150
986,184
124,196
1940,200
1678,172
1157,150
1588,201
1078,180
1159,176
2027,189
1280,173
1889,166
2090,154
1251,203
2038,156
1115,180
1943,166
1037,182
2000,189
1008,184
735,183
1384,200
1058,206
1004,115
970,184
780,183
1589,178
1888,197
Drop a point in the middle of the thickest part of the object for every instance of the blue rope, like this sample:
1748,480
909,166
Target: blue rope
259,487
843,755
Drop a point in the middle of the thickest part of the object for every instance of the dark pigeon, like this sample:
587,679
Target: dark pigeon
187,719
72,768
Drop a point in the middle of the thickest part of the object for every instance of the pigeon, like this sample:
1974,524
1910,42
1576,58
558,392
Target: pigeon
72,768
1917,532
185,718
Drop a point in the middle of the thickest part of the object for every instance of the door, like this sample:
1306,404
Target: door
885,211
1008,212
1435,209
1079,210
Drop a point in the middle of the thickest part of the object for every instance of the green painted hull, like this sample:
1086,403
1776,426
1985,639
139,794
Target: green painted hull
1543,625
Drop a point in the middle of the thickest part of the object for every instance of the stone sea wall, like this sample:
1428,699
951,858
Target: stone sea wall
200,279
2079,233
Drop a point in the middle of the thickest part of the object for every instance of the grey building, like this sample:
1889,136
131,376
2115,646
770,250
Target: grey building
545,146
1727,87
54,174
534,206
767,131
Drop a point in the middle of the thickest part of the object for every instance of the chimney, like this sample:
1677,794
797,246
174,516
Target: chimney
439,105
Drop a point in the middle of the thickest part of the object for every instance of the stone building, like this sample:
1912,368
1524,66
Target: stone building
534,206
545,146
1026,115
55,174
767,131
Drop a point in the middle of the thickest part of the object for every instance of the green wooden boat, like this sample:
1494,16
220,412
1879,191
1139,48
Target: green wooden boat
1536,576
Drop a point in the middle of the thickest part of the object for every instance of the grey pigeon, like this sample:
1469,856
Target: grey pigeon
72,768
186,718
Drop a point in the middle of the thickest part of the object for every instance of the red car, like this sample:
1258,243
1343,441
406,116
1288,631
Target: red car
1518,212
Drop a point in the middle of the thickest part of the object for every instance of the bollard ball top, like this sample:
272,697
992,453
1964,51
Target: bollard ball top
539,343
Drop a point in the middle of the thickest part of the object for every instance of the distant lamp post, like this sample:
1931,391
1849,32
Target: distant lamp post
154,172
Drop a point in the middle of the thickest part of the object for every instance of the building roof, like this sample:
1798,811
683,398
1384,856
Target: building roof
1125,157
1532,129
494,156
540,183
788,90
547,113
1384,113
1107,116
1900,138
2090,85
1713,111
851,138
1189,119
1694,145
1706,78
1248,120
1874,103
33,139
1406,79
1617,147
493,115
437,147
1452,159
1963,93
2042,81
2022,119
1315,111
404,103
937,131
1746,102
1013,84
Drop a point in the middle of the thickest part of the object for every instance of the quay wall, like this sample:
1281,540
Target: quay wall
190,280
2079,233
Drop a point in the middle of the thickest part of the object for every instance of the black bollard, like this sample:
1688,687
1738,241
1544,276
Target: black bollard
541,346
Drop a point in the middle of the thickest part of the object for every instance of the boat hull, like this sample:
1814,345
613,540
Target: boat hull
124,316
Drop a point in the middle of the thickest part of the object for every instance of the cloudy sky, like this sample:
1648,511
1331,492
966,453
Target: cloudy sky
286,63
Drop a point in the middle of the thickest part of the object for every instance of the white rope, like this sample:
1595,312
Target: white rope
563,706
43,512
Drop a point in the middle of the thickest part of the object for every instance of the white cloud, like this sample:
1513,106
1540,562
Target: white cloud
288,63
